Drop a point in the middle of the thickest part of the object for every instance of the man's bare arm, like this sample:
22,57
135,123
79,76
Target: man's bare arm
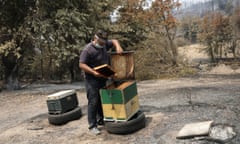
117,46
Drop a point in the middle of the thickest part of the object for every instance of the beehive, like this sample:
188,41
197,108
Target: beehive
120,100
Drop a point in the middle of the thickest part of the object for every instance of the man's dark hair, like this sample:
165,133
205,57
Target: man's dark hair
102,34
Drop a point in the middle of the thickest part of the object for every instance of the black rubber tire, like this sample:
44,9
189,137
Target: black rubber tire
60,119
135,123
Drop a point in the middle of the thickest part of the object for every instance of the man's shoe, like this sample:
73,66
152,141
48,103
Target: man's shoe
95,131
100,122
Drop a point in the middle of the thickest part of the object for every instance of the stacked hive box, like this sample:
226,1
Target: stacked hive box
120,99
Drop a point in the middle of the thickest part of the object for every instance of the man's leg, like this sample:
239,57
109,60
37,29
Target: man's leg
100,113
100,110
93,98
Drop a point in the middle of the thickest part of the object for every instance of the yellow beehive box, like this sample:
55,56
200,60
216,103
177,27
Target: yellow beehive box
119,102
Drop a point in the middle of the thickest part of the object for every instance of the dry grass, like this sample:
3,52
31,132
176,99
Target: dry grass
153,63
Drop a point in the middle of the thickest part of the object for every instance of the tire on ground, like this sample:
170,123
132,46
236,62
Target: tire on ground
135,123
63,118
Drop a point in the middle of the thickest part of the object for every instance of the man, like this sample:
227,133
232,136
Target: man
95,54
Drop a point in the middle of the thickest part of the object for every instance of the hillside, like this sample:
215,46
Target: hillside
202,7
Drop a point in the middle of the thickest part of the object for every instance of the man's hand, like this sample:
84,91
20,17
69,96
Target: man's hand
117,46
97,74
89,70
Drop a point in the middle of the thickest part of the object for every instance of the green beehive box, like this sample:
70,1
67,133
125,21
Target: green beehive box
120,102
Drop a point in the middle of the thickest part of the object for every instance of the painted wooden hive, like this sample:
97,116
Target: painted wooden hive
120,99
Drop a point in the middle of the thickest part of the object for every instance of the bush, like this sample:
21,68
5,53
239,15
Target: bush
153,62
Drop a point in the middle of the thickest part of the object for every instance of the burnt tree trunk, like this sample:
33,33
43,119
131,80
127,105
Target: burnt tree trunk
75,71
11,67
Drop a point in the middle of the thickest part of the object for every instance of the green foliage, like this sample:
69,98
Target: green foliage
12,12
49,35
7,46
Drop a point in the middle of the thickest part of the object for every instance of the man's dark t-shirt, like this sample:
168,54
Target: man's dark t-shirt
93,57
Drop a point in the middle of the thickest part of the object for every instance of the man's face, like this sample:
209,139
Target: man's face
100,41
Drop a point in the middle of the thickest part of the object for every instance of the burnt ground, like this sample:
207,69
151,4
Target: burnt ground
167,104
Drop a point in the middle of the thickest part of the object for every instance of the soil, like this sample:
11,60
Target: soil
169,104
